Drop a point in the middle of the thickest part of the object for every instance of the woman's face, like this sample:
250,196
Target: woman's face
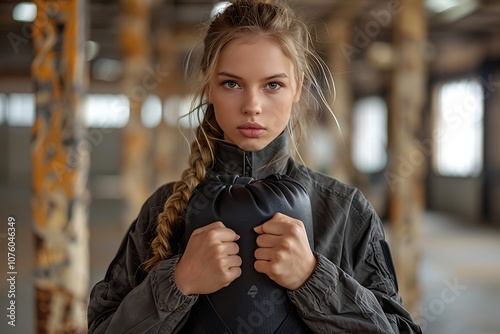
252,90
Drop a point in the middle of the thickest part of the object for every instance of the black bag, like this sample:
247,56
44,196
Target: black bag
252,303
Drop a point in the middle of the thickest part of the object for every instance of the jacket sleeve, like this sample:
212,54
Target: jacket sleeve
365,301
129,300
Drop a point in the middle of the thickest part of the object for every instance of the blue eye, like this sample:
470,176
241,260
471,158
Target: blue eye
274,85
230,84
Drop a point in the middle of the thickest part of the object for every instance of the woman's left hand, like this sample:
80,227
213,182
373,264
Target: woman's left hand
283,251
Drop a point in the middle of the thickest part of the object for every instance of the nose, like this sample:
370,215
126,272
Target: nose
252,105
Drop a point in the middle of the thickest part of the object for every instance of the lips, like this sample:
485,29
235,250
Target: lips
251,129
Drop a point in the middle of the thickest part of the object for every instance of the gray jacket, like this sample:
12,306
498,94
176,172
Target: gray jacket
352,290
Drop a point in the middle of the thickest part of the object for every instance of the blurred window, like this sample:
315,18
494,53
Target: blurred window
171,110
188,117
106,110
178,112
99,110
151,112
21,109
370,134
459,129
3,107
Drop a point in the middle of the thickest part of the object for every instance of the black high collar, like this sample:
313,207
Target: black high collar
231,160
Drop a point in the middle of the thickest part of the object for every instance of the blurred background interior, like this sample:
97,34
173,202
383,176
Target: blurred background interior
417,98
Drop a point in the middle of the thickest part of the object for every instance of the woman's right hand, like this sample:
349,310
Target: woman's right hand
210,261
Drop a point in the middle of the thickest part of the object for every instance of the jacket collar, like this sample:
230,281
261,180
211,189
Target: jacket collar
231,160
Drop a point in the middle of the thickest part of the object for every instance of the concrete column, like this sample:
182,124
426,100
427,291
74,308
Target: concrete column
407,161
171,153
139,80
171,147
340,29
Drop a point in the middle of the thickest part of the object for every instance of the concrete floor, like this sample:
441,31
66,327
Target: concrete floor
460,277
460,269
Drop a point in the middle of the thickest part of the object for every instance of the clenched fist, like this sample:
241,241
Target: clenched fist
210,261
283,251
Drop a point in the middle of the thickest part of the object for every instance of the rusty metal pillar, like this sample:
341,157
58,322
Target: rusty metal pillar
407,163
139,80
60,164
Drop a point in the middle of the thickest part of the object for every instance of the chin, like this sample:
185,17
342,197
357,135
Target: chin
252,145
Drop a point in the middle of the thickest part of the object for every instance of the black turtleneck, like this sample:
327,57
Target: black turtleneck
231,160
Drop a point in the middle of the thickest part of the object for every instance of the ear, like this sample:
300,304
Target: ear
298,91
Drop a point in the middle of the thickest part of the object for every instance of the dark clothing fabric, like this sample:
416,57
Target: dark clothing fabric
352,290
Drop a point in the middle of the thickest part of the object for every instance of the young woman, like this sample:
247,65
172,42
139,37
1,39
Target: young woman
258,84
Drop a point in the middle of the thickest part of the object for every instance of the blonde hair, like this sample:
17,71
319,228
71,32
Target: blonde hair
241,19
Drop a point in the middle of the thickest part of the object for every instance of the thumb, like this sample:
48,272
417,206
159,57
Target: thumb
259,229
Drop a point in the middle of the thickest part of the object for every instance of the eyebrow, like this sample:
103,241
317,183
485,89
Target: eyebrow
274,76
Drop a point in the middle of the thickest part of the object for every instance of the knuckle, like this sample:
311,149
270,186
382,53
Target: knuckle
279,215
274,271
213,252
280,255
219,262
286,244
218,224
295,230
219,248
229,275
299,223
212,233
212,236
